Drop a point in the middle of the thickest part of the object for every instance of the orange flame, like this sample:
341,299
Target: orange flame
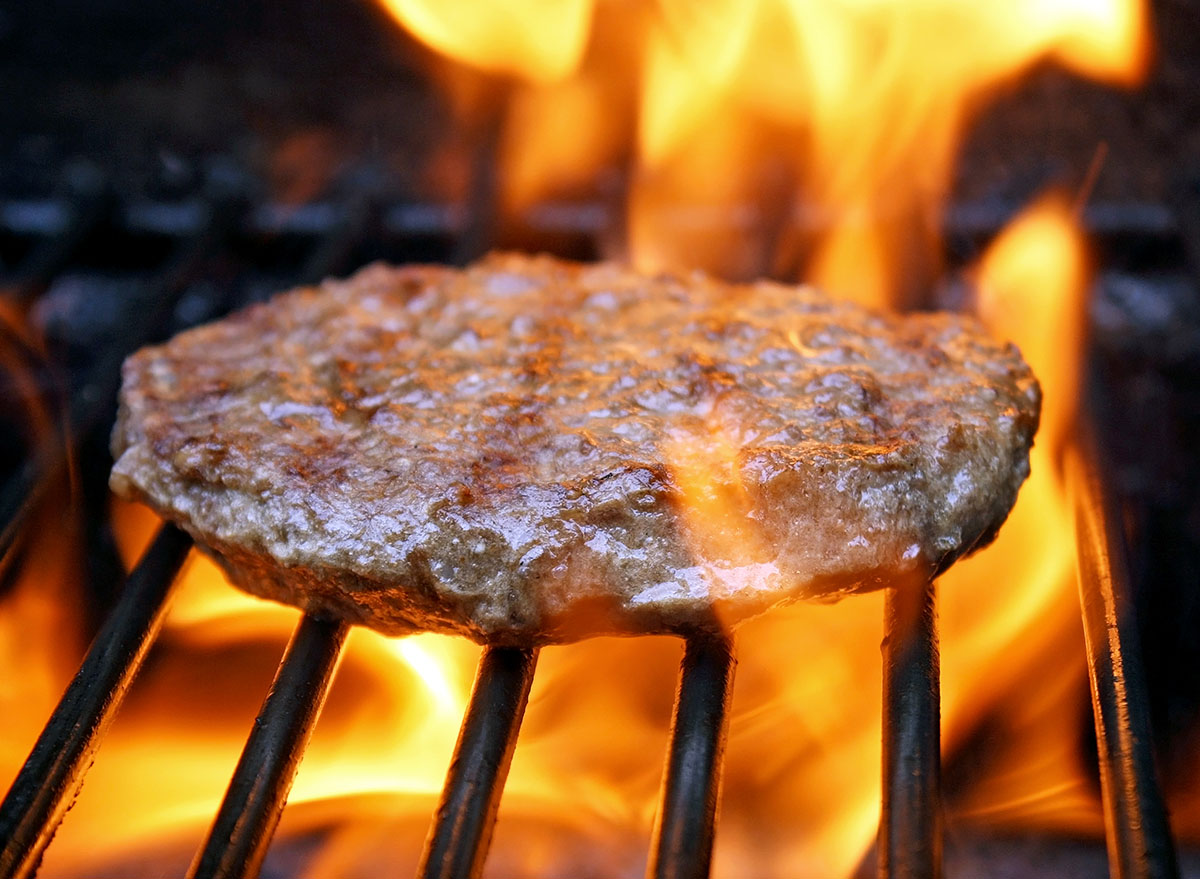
41,624
538,40
727,115
1033,283
1017,599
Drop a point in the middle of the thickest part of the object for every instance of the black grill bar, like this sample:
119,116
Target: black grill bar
238,840
683,834
86,200
910,828
48,782
333,249
52,217
1140,845
462,826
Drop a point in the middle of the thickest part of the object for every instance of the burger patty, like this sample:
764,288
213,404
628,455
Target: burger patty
533,451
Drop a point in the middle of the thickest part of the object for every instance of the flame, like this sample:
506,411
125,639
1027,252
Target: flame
717,527
792,136
1033,284
538,40
41,626
726,116
1039,264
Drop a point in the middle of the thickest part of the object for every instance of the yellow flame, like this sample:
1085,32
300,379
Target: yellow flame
853,108
539,40
1017,599
715,515
1033,288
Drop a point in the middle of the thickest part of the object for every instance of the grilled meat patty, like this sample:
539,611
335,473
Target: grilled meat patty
530,450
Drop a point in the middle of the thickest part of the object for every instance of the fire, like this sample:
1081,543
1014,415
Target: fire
541,40
740,123
41,629
1039,263
796,137
705,467
1032,285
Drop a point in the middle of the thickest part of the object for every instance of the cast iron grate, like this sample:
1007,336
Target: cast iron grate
1139,839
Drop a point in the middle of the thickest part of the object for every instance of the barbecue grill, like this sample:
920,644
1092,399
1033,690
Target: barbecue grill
110,256
1139,839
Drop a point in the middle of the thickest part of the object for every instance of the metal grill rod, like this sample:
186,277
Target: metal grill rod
684,832
48,782
910,828
238,840
333,249
462,828
53,217
1140,845
87,200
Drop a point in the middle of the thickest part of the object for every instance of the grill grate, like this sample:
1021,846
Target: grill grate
462,827
683,834
910,826
1135,819
46,785
1140,844
249,814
